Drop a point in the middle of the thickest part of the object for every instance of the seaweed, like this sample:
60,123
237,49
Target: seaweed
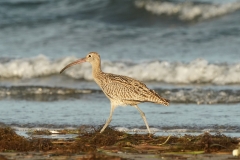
10,141
92,142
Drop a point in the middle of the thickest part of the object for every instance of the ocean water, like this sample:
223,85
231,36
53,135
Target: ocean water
187,51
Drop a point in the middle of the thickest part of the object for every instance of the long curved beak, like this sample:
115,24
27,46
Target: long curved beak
74,63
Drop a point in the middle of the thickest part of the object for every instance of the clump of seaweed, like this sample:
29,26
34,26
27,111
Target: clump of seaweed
89,141
10,141
204,142
114,140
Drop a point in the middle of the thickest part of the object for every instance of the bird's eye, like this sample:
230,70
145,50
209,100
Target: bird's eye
89,55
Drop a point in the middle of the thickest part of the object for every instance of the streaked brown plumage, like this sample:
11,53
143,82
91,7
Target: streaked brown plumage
121,90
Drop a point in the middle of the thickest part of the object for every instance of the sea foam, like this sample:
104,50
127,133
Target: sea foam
197,71
186,10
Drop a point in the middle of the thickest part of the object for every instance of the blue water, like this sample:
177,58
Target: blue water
188,51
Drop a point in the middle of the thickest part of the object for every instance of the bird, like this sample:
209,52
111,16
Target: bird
120,90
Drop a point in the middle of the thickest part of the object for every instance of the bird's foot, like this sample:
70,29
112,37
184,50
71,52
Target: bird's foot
150,135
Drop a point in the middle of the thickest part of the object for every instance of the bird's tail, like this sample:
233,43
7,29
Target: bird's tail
160,100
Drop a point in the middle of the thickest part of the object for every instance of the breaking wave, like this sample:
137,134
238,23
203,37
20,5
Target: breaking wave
186,10
19,12
195,72
178,95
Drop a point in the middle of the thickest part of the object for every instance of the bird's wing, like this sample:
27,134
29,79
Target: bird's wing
125,88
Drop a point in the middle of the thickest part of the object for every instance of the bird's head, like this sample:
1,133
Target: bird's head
92,57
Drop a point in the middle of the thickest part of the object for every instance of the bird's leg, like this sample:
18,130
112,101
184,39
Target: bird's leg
143,117
109,119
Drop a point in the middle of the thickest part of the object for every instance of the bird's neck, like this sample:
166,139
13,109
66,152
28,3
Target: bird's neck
96,69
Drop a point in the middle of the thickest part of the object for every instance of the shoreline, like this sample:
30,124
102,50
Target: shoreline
113,144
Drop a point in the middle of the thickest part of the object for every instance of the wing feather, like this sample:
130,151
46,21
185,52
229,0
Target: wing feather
125,88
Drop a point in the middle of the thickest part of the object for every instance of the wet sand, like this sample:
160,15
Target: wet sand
113,156
172,156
